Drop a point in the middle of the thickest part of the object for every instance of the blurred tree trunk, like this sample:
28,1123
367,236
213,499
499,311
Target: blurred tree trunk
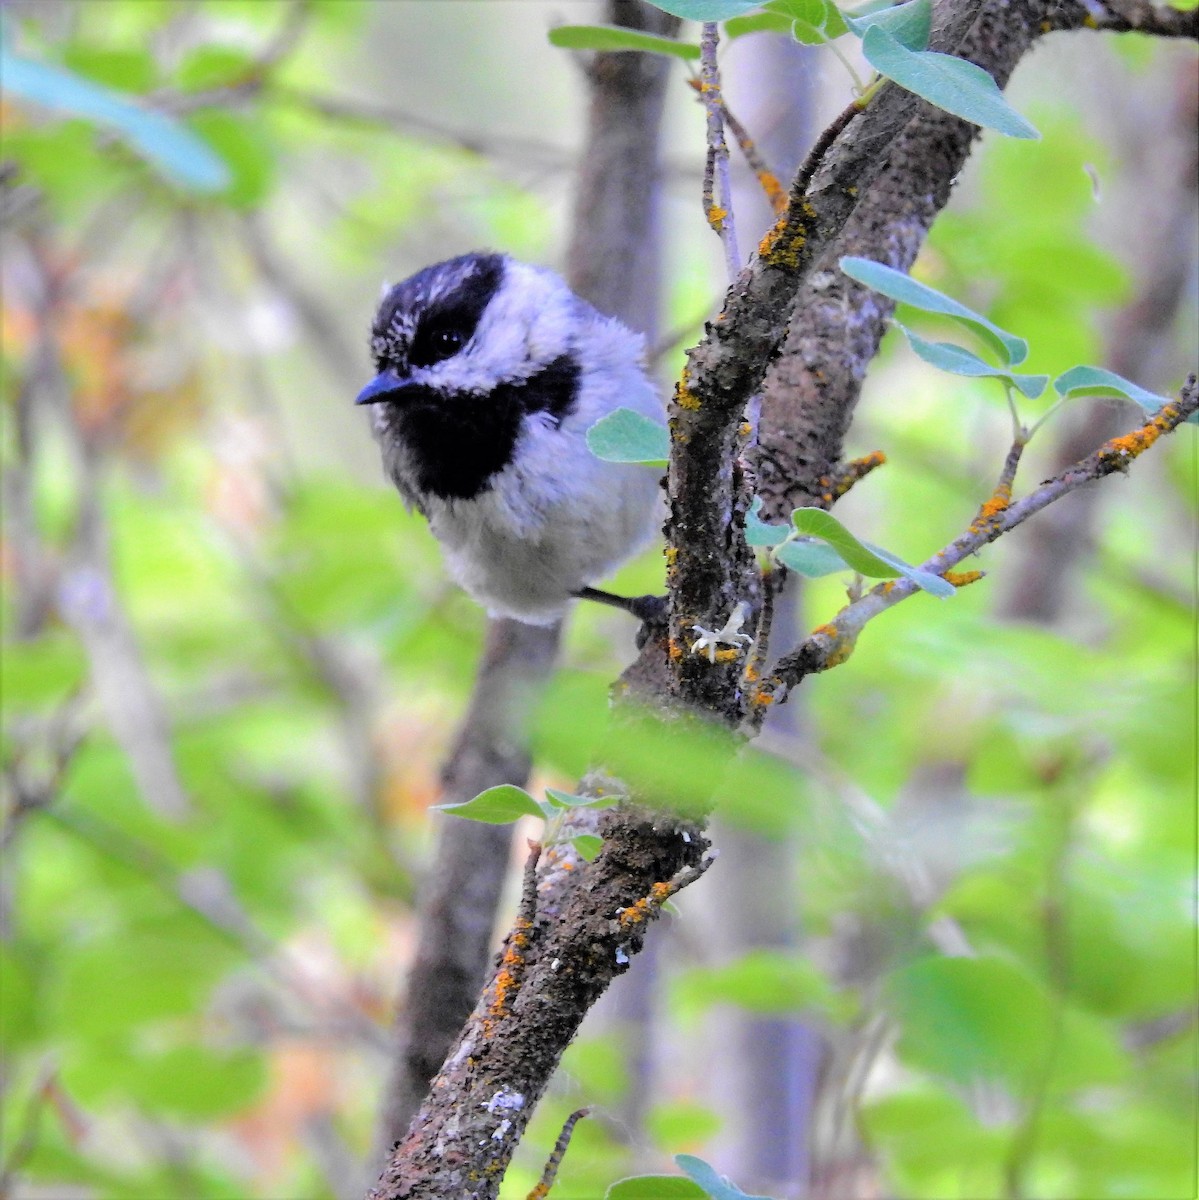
1164,233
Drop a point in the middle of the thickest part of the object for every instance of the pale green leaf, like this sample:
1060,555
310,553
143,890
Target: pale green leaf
958,361
810,558
625,436
906,290
762,533
868,561
952,84
1095,381
707,10
909,24
714,1184
171,147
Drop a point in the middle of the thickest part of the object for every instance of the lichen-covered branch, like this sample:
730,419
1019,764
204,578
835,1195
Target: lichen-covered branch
832,644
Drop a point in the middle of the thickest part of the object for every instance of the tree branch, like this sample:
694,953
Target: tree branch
832,644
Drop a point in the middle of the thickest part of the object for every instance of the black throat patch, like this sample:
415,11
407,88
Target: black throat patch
458,443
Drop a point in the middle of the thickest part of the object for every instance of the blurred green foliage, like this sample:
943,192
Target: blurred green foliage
194,1000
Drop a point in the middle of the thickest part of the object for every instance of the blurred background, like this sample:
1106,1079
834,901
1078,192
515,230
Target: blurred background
233,663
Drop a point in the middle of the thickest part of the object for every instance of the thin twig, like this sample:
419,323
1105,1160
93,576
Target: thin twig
832,644
776,194
719,212
555,1159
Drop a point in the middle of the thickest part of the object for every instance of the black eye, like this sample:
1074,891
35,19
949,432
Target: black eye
445,342
435,344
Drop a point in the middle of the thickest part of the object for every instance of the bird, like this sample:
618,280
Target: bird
490,371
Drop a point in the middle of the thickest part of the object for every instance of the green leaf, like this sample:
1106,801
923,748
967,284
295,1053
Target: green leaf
170,146
196,1082
925,580
496,806
987,1018
567,800
715,1185
812,21
588,845
707,10
140,975
126,69
655,1187
212,66
953,84
681,1122
763,22
41,672
1095,381
866,560
810,558
909,24
761,981
242,143
898,286
958,361
762,533
613,37
625,436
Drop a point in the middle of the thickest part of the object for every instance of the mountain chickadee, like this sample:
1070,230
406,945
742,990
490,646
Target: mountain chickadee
490,374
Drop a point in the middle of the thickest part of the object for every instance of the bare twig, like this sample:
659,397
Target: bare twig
555,1160
718,212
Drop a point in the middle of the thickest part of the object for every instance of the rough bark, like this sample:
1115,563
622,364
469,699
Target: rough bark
462,886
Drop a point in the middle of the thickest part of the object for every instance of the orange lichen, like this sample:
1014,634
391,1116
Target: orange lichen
716,216
1137,442
674,651
785,240
961,579
841,648
773,189
644,908
992,509
684,397
507,978
728,654
840,652
671,554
